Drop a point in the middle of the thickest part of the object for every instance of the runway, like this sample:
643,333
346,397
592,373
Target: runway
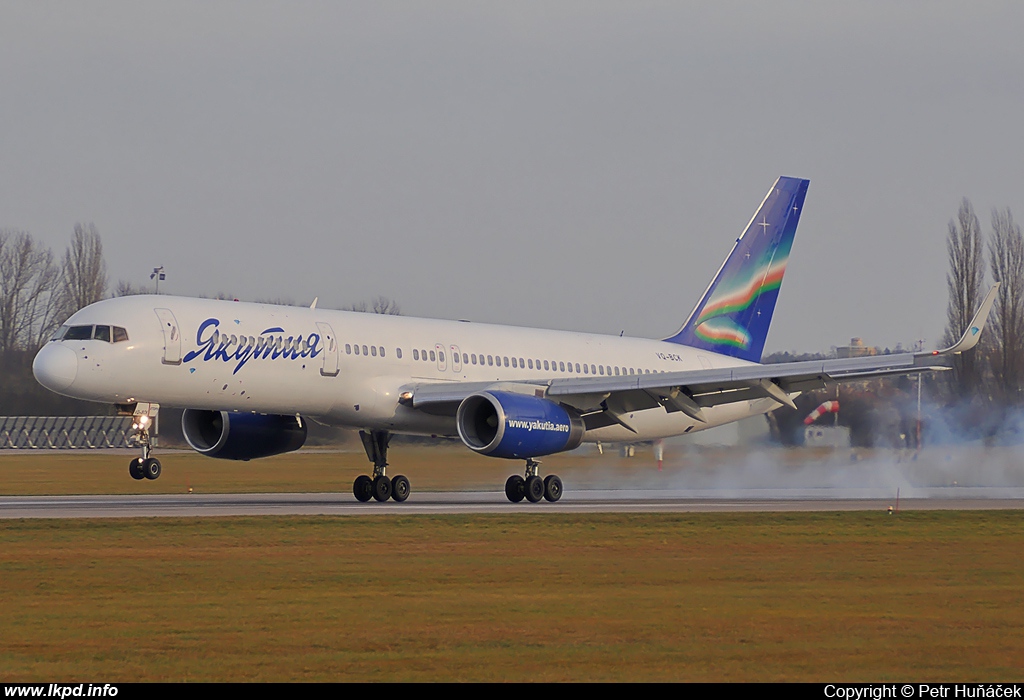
479,502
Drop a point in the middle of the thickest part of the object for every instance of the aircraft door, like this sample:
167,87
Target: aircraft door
456,359
442,363
329,347
172,336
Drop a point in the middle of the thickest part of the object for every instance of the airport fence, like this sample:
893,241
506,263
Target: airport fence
64,432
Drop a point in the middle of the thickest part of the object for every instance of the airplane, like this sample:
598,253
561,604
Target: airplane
250,376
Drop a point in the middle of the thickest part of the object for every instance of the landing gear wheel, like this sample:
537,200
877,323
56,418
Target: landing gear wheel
552,488
515,488
534,489
400,488
362,489
381,488
151,468
135,469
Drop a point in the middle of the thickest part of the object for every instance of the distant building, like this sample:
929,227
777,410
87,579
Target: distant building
856,348
826,436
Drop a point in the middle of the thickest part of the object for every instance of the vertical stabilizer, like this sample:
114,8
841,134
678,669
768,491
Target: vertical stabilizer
735,312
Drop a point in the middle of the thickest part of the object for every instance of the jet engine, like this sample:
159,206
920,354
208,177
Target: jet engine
516,426
242,436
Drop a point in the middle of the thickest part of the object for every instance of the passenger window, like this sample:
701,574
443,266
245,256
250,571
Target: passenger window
514,363
120,334
440,355
616,371
348,348
490,360
600,369
433,356
561,366
577,368
357,349
545,364
465,359
398,353
585,370
472,358
570,366
373,350
506,362
382,351
364,350
415,354
101,333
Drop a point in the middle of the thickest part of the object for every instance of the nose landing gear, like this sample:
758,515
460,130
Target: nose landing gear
144,427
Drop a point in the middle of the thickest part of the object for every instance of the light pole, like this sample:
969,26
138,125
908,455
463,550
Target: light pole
158,274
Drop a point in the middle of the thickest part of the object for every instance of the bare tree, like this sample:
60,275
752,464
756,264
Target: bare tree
84,273
1006,258
380,305
127,289
27,299
965,280
383,305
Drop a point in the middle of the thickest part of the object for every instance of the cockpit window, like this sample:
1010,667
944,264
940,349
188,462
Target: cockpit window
101,333
59,333
120,334
78,333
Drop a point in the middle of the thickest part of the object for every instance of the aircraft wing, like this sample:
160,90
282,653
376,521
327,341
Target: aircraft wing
607,400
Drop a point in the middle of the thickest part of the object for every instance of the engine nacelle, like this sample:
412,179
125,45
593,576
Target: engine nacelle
241,435
516,426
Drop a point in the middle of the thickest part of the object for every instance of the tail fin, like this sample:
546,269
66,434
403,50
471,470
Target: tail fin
733,316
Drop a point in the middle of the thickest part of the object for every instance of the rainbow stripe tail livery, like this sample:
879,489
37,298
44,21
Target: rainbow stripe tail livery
735,312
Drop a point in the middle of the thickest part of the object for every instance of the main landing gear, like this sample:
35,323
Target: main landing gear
143,423
379,487
532,487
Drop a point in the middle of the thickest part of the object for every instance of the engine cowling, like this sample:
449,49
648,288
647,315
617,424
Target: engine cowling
516,426
242,436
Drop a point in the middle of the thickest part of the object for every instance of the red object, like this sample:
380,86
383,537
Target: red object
827,407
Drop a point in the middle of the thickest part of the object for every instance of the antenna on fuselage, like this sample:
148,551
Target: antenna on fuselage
315,300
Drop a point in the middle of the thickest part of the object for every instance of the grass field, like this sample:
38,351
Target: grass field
794,597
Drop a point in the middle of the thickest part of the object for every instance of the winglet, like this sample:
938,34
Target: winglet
315,300
972,335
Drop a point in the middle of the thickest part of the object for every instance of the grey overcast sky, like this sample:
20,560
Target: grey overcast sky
578,165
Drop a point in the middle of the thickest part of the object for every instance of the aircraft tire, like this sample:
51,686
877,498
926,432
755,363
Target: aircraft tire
534,489
135,469
381,488
362,489
151,468
400,488
515,488
552,488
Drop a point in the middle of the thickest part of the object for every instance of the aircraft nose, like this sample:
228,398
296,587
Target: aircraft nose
55,366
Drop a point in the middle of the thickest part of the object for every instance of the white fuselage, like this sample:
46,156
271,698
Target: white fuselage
234,356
